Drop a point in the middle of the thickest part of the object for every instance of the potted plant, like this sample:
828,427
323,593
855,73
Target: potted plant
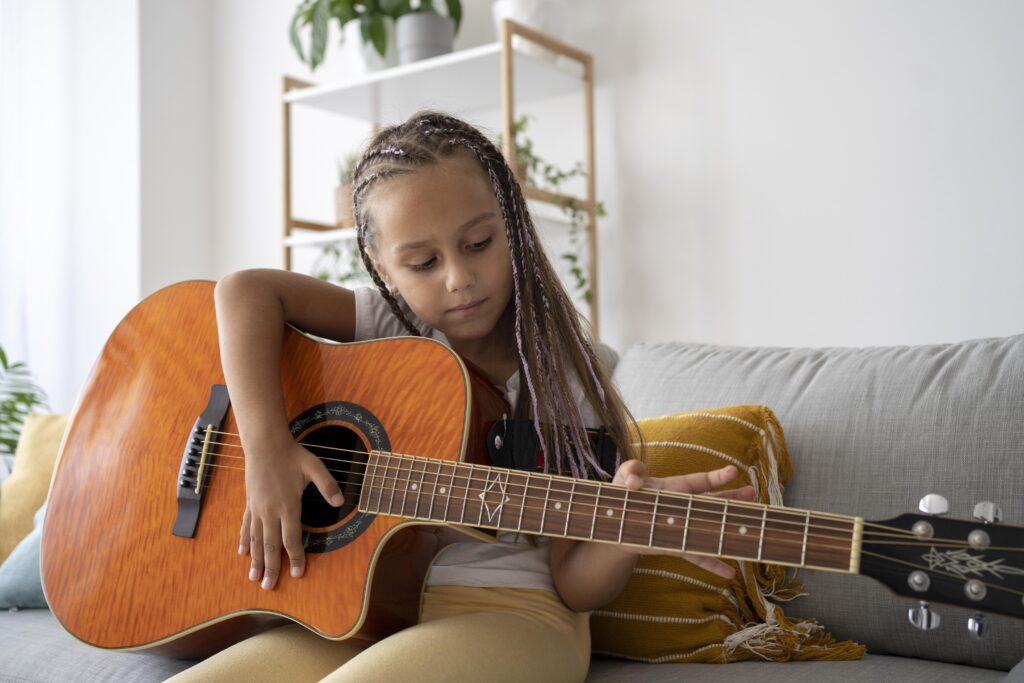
534,170
343,193
544,15
19,395
364,24
421,32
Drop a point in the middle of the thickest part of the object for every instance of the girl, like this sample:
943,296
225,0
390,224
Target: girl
446,236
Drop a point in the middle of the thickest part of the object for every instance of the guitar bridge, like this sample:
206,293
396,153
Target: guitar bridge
197,461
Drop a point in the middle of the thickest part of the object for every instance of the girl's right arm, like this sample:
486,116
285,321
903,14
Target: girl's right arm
252,308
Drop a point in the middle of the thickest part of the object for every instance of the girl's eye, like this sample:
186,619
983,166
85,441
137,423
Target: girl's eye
480,245
420,267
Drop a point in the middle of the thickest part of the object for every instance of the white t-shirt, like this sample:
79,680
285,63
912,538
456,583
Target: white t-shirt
514,561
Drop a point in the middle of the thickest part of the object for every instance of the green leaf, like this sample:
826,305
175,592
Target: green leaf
395,8
378,34
293,34
455,12
321,13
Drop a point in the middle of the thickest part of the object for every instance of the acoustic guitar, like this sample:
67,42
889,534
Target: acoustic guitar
140,537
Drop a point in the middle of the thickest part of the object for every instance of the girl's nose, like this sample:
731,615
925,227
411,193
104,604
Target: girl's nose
459,276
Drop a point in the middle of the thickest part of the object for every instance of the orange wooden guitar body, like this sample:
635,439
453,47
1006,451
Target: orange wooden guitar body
117,578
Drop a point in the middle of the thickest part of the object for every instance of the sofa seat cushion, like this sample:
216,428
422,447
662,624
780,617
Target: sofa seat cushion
869,432
37,648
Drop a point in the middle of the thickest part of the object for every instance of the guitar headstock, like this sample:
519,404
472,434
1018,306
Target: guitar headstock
976,564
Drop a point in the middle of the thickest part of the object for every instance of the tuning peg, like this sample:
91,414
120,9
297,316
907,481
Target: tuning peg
933,504
988,512
977,627
923,617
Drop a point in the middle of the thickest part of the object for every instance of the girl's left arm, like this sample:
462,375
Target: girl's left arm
589,575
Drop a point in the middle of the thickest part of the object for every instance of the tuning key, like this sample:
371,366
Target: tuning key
977,627
933,504
923,617
988,512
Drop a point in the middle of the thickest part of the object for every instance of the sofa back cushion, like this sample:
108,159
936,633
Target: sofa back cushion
870,431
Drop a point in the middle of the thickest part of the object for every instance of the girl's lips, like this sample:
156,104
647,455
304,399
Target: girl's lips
467,309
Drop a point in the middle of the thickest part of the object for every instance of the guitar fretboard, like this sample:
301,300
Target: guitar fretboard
547,505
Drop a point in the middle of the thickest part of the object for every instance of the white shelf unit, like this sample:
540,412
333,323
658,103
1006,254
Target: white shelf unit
461,82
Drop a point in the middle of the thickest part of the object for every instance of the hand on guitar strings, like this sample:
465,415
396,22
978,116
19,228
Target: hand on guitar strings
274,481
633,475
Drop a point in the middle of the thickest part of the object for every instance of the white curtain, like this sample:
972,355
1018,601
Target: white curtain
36,224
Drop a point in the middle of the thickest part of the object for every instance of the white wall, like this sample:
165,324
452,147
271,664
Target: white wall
175,140
793,172
809,173
69,193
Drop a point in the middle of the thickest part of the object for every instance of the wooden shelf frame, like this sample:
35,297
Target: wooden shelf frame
578,66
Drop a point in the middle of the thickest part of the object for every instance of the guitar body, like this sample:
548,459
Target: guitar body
117,577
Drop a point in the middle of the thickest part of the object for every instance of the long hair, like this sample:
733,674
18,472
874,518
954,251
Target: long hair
552,343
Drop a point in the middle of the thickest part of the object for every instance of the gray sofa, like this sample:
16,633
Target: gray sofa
869,430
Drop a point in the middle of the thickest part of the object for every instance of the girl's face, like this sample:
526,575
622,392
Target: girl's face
441,244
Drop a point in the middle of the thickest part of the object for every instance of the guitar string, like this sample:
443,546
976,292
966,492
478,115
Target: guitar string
942,572
847,539
821,516
664,505
796,515
461,493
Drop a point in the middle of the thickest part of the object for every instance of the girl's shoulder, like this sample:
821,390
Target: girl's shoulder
376,320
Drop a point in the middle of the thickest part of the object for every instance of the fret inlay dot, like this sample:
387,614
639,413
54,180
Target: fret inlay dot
558,506
443,489
414,487
609,512
671,520
743,530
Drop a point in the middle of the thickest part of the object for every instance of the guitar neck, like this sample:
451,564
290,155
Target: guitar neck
561,507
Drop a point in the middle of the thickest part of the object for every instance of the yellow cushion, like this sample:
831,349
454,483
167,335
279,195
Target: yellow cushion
672,610
24,491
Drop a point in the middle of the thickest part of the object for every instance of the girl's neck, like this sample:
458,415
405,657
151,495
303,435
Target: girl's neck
495,355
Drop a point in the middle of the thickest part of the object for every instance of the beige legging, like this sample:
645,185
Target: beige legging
465,633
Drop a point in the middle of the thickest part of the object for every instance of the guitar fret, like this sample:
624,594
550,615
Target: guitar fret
522,505
760,542
686,524
483,494
368,488
544,512
568,511
721,534
807,526
433,491
394,485
448,499
654,517
419,491
622,521
405,496
465,498
597,504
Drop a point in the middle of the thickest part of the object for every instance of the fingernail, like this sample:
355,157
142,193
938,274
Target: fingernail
296,572
241,550
266,583
337,500
253,574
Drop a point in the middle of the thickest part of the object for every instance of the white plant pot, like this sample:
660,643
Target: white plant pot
422,35
361,58
546,16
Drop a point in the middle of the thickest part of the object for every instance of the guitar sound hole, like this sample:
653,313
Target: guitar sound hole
344,454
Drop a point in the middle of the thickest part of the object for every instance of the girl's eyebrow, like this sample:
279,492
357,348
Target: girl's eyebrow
409,246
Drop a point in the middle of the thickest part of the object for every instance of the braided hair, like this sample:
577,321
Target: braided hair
543,312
